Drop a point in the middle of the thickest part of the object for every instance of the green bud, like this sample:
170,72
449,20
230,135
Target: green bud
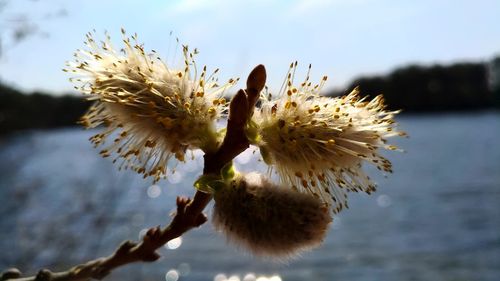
266,155
227,172
209,183
252,132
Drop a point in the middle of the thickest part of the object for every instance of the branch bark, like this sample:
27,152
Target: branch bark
189,212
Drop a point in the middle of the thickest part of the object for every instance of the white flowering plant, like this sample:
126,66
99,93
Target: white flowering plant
152,115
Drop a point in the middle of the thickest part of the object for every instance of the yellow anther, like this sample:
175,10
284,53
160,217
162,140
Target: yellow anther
150,143
165,121
304,183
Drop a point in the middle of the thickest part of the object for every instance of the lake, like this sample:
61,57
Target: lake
436,218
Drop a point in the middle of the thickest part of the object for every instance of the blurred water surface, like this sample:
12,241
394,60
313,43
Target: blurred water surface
436,218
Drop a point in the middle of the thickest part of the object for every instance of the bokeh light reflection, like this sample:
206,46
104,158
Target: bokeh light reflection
220,277
174,243
154,191
384,201
172,275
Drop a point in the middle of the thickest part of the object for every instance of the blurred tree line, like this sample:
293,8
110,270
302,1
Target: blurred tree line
462,86
20,111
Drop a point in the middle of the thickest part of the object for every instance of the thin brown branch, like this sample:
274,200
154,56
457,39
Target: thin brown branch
240,109
188,216
189,212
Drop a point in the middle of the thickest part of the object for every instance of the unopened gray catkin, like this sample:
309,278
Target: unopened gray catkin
269,220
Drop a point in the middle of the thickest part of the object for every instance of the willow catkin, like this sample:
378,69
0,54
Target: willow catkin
269,220
319,144
149,111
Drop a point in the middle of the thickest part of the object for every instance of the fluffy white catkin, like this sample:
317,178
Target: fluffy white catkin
149,111
319,145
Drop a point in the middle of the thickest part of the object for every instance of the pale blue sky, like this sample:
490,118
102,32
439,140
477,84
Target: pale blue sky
342,39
